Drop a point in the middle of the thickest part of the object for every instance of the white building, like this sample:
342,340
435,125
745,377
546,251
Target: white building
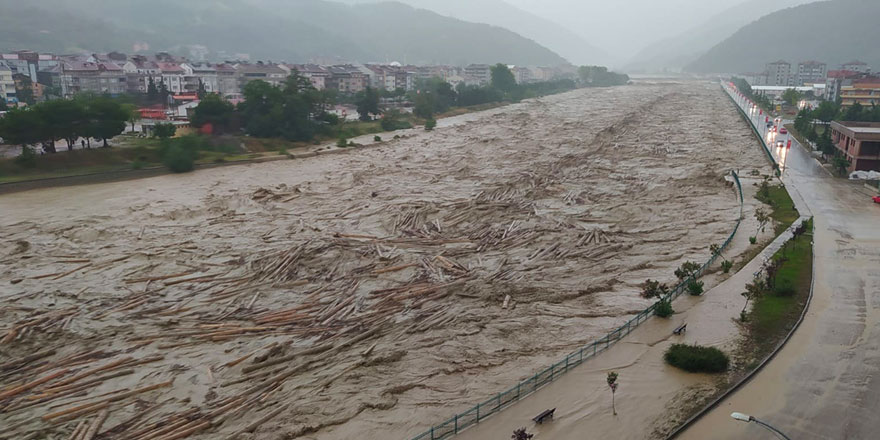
7,85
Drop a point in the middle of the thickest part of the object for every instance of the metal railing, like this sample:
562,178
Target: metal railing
751,123
498,402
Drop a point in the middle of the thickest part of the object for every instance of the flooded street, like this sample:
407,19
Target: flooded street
824,383
367,294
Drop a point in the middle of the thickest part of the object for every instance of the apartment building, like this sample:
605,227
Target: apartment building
316,74
811,72
860,142
346,79
779,74
7,85
479,74
865,91
274,74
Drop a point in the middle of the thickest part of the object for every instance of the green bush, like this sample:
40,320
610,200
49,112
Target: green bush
27,158
726,266
695,287
784,288
137,164
282,151
377,138
696,359
179,159
430,124
663,309
753,240
342,142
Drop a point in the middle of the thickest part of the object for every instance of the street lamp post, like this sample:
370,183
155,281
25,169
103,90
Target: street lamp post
747,418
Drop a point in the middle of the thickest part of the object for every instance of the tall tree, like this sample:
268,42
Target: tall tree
791,96
163,92
64,119
152,90
24,89
213,111
368,104
202,91
22,127
853,112
502,78
826,111
107,118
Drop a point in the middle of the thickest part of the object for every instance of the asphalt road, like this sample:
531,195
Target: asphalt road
824,384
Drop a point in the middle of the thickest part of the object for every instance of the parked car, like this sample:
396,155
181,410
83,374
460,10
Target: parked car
876,199
782,130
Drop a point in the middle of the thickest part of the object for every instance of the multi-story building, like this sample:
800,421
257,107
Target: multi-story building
811,72
860,142
865,91
28,62
346,79
271,73
172,75
83,76
315,73
779,74
7,85
522,75
227,81
837,79
856,66
197,73
480,74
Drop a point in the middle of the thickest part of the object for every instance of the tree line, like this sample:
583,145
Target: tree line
86,116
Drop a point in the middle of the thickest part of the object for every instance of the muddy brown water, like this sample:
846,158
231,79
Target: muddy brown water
393,260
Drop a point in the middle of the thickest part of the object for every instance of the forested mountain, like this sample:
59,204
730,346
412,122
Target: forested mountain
500,13
676,52
293,30
833,32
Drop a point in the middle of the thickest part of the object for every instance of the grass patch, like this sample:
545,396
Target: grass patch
775,313
783,210
696,359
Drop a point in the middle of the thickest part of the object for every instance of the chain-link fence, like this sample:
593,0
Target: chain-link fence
525,387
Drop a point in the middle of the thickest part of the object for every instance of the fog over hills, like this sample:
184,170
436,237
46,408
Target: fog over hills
554,36
296,31
834,32
675,52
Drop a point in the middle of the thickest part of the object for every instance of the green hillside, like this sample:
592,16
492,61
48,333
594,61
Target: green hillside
264,29
834,32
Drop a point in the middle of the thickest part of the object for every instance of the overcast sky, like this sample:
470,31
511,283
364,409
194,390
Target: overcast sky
625,26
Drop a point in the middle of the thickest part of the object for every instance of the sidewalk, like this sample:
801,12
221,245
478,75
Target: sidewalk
649,389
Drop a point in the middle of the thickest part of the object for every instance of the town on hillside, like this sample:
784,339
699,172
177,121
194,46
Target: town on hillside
835,112
27,77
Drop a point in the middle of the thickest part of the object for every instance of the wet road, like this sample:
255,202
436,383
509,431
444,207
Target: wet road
824,384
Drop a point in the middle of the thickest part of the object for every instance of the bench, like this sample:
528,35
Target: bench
680,329
548,414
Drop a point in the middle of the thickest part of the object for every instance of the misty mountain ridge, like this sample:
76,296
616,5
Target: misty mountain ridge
676,52
293,31
500,13
834,32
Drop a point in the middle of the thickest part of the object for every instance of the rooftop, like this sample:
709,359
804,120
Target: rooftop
866,128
